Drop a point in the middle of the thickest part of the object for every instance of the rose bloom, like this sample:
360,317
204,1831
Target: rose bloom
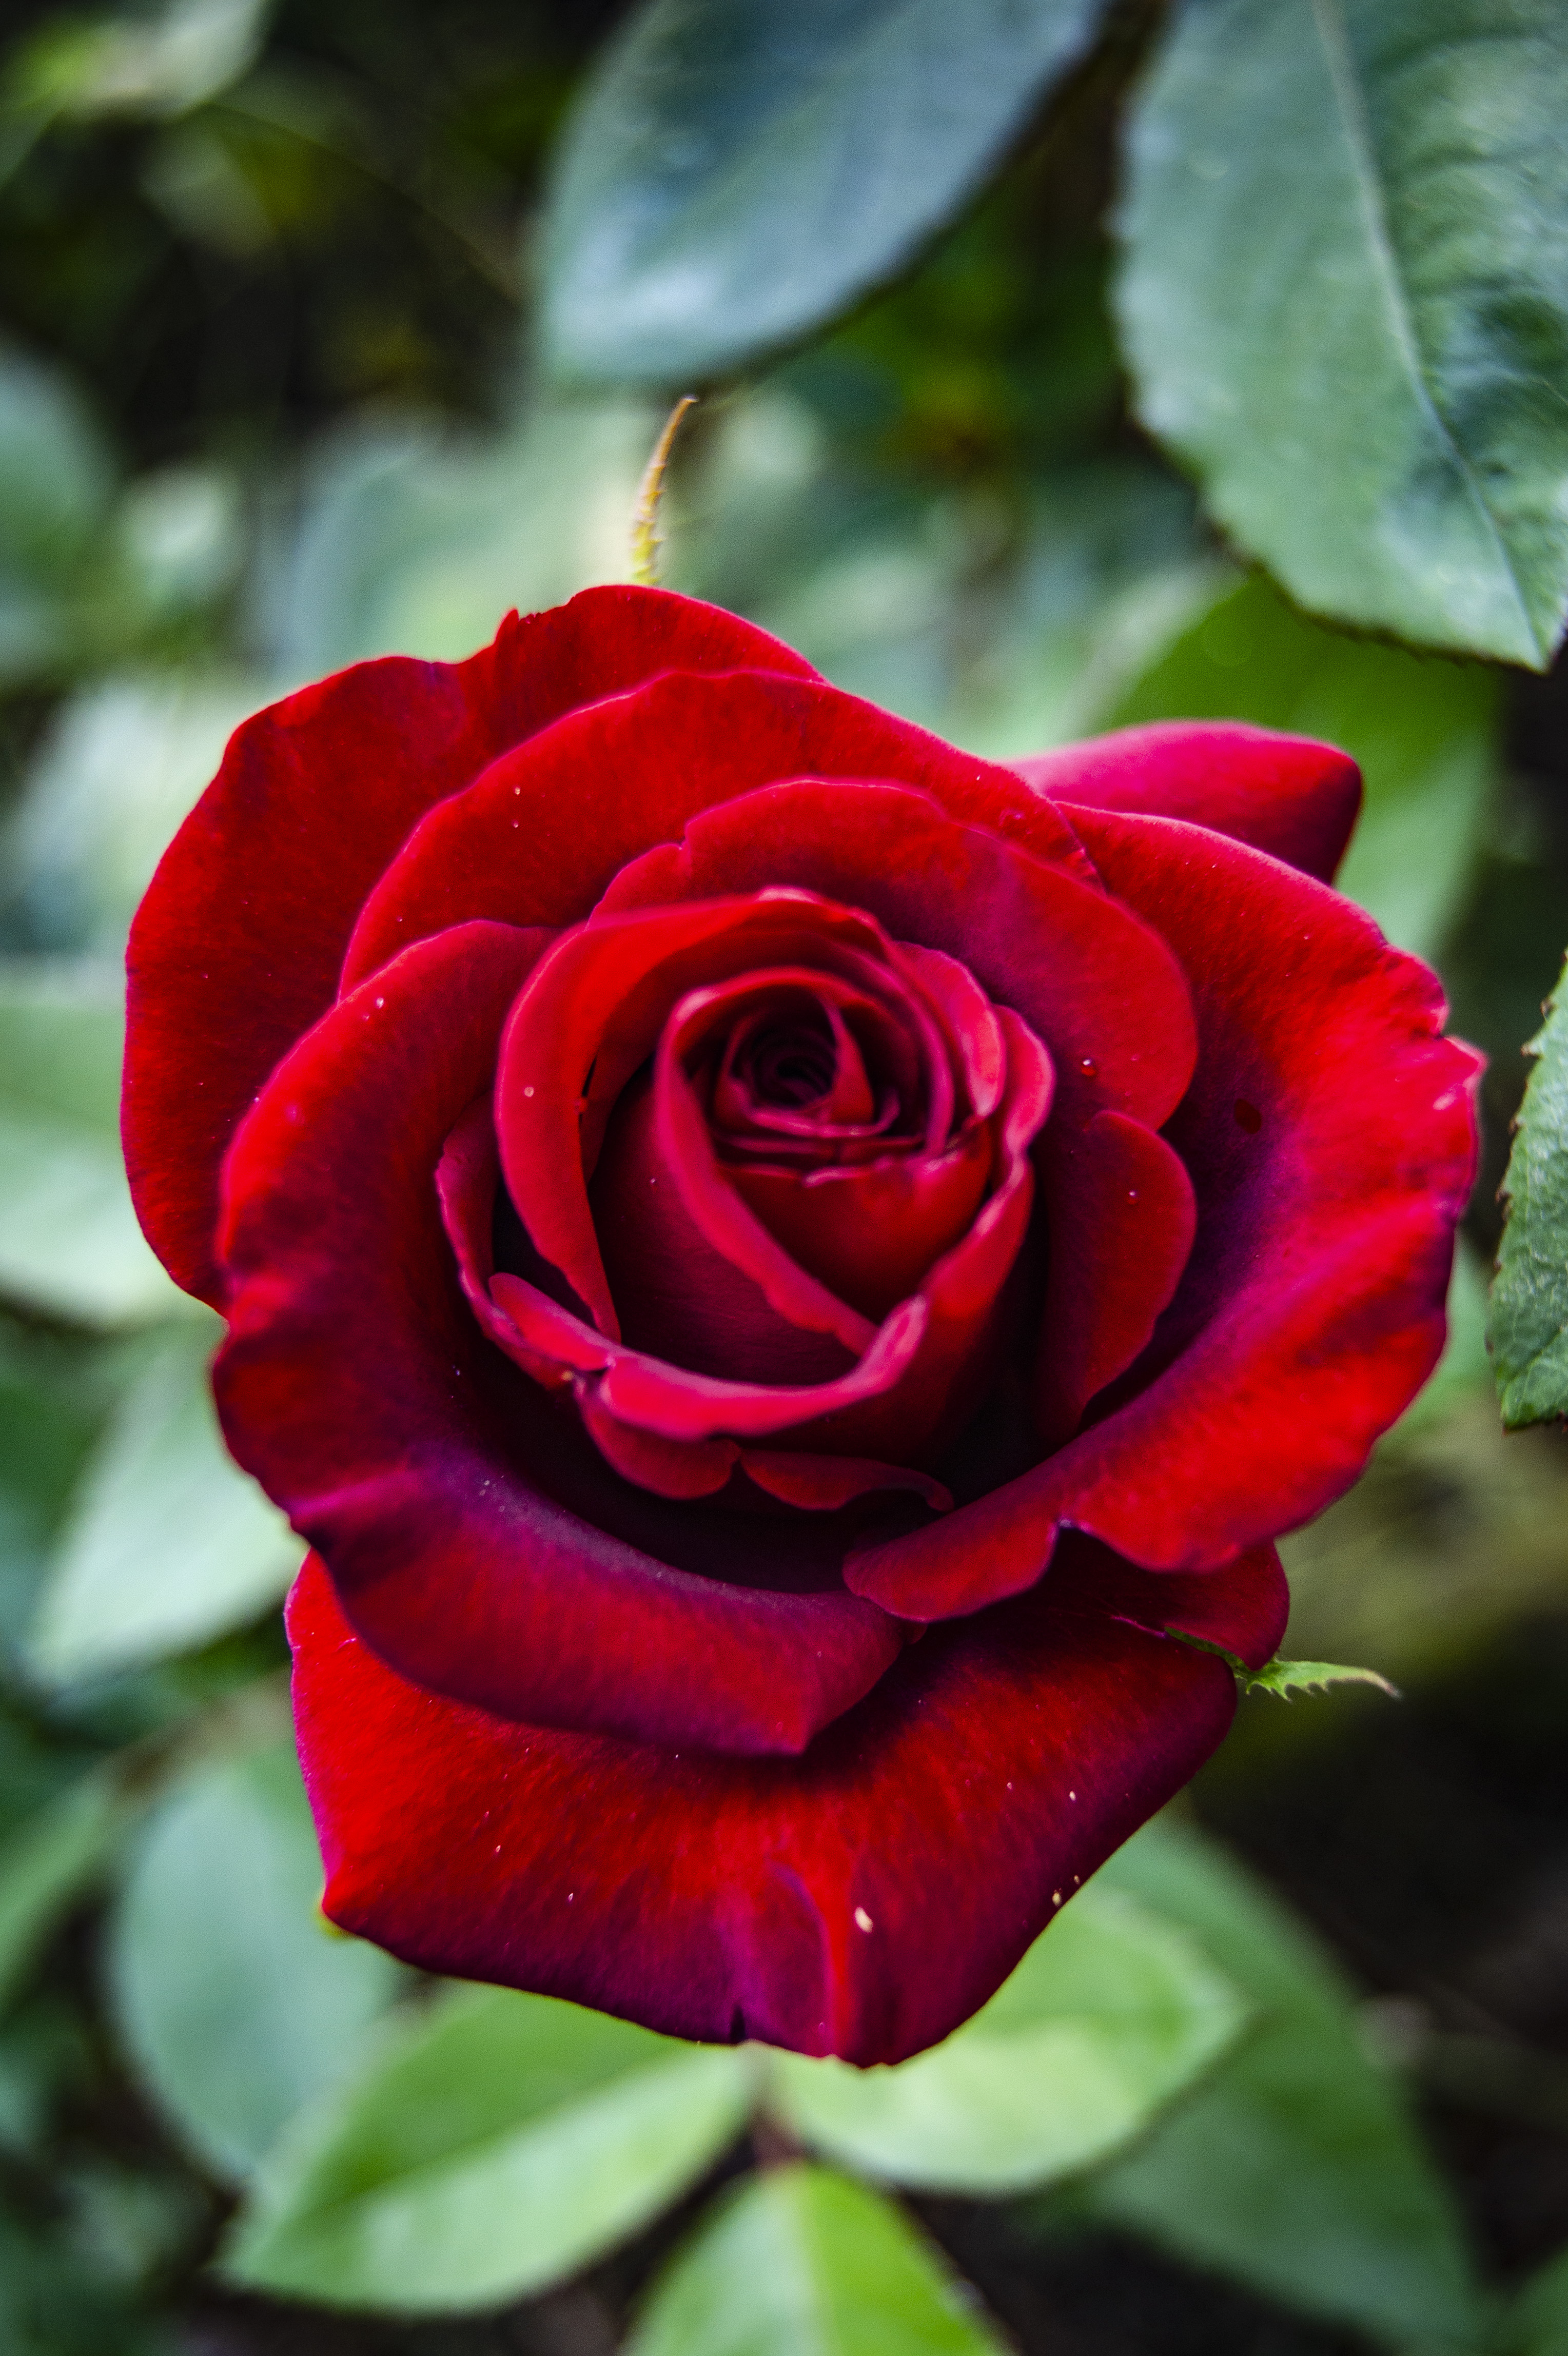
790,1277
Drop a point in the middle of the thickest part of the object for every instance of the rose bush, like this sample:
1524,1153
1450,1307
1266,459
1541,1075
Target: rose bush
785,1272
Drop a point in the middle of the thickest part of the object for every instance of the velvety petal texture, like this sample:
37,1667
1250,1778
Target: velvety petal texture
861,1902
789,1276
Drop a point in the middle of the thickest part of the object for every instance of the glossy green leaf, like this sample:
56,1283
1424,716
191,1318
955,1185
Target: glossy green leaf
800,2262
49,1861
742,170
1110,2015
1421,728
236,2003
1346,301
69,1244
1296,2169
167,1543
485,2151
1528,1324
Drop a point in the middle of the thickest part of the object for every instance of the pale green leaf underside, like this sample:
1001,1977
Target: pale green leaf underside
800,2262
234,2004
1529,1327
69,1244
742,170
1109,2016
1346,301
166,1544
484,2152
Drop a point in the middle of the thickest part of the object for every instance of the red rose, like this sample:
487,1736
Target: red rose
773,1261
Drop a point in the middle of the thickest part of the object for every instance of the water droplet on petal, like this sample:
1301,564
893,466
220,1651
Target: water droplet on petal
1088,1066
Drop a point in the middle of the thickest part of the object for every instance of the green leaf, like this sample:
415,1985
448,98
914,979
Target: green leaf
1346,301
117,770
1536,2324
235,2002
1110,2014
49,1861
69,1244
742,170
486,2150
1529,1325
413,539
1285,1677
50,1409
137,61
57,478
1296,2168
1421,728
799,2262
167,1543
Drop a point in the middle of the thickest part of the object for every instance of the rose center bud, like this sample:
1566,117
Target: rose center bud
837,1114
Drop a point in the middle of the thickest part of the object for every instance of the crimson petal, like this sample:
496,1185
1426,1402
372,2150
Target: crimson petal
1312,1307
546,829
237,945
357,1388
862,1900
1095,983
1289,795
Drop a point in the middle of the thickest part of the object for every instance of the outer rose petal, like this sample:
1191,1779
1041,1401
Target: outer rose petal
862,1900
1330,1136
1286,795
237,945
357,1387
540,836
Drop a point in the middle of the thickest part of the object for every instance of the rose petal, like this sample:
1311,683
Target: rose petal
1312,1307
237,946
590,1017
862,1899
871,1231
1095,984
680,1295
469,1523
538,836
1289,795
925,1372
1241,1610
1121,1217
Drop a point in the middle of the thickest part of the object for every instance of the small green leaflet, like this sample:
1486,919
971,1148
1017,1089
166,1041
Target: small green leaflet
1285,1677
1528,1329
